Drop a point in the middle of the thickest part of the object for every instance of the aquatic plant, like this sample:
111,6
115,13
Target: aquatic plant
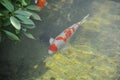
16,18
79,64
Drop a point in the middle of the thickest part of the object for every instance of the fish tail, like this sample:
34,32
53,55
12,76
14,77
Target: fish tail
84,19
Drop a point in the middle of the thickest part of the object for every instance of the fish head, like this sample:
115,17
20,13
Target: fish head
53,48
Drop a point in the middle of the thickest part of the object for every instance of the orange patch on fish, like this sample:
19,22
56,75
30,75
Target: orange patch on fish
53,47
68,33
41,3
61,38
73,29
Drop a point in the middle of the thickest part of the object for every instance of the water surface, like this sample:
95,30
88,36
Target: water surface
24,60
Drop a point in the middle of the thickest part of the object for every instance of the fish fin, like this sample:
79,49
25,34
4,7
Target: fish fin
51,40
46,4
64,47
84,19
36,1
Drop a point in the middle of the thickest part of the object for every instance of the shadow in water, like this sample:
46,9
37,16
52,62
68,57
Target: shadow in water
19,64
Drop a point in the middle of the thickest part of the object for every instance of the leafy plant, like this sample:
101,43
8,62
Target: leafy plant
16,17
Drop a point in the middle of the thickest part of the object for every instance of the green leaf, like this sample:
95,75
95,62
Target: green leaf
33,7
24,13
1,14
11,35
29,26
27,1
7,4
6,22
24,3
29,35
24,29
0,37
35,16
25,20
17,31
15,22
1,23
4,12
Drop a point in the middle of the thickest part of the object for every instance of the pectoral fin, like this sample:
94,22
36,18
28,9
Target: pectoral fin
36,1
51,40
65,47
46,3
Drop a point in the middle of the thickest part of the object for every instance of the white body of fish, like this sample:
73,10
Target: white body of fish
59,43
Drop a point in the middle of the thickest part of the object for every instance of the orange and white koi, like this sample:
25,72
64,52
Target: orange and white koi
41,3
59,43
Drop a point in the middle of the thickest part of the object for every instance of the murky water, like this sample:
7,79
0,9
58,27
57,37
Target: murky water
24,60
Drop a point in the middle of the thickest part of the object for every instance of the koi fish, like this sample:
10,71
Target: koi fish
59,43
41,3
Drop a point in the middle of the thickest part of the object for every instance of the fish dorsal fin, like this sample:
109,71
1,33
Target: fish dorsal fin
51,40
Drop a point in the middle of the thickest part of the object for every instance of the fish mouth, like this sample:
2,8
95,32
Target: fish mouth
50,52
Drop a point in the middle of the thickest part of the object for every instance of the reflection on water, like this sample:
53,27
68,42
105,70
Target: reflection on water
95,46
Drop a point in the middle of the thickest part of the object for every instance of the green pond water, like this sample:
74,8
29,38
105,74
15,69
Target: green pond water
94,52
